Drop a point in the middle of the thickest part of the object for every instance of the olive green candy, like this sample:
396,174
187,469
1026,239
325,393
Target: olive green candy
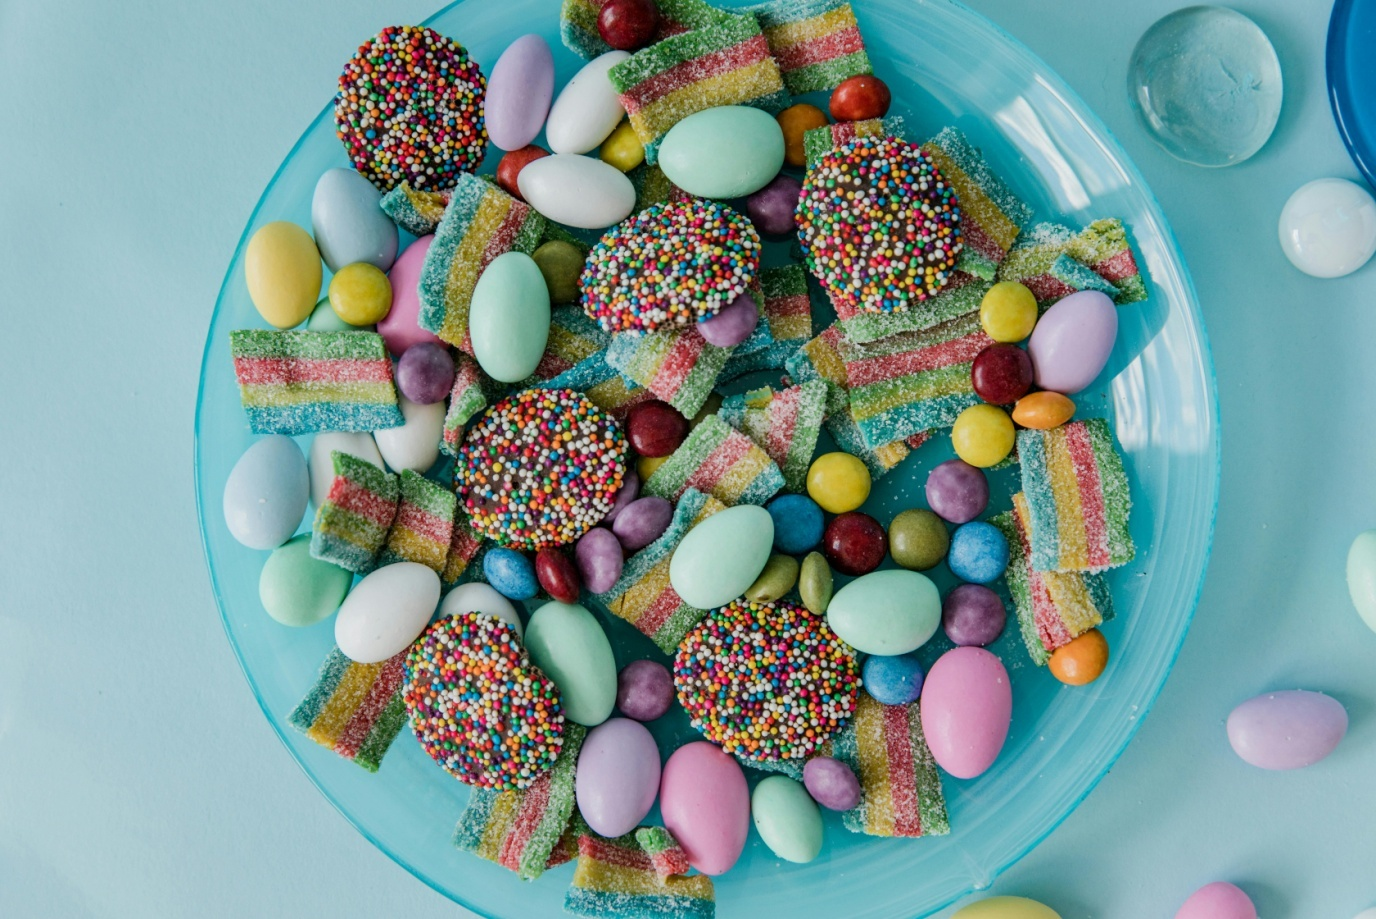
778,577
918,539
814,584
561,263
298,589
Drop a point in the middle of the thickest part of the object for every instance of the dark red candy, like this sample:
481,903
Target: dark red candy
1002,374
859,98
511,164
854,543
628,25
558,575
655,428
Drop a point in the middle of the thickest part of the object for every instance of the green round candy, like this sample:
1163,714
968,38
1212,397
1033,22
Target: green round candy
778,577
298,589
814,583
561,263
918,539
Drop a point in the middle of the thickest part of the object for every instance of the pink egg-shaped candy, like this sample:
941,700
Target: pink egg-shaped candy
1219,900
706,805
1072,341
1287,730
400,328
967,706
617,777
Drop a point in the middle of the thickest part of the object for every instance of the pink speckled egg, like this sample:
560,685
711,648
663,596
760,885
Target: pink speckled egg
967,706
400,328
1219,900
706,805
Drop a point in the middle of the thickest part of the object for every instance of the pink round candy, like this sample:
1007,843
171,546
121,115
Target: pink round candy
400,328
966,706
706,805
599,558
1219,900
733,324
1290,729
644,690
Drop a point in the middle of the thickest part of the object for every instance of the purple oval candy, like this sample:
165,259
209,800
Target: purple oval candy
628,492
519,92
425,373
1072,341
772,208
618,776
1290,729
599,558
957,492
644,690
642,521
733,324
831,783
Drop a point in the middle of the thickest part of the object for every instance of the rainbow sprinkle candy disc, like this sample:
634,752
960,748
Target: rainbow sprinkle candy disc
766,681
879,224
540,468
478,706
410,109
673,264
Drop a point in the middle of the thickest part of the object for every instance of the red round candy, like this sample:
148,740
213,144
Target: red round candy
628,25
1002,374
557,575
511,164
655,428
854,543
859,98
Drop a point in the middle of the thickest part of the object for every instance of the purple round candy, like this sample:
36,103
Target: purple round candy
772,208
733,323
644,690
972,614
599,558
831,783
957,492
642,521
425,373
628,492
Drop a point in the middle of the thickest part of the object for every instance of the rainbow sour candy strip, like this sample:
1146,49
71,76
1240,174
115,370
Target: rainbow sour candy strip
899,784
677,365
721,461
521,829
463,549
466,399
417,212
816,43
1077,497
354,709
616,879
351,525
820,359
480,223
667,857
573,338
880,460
818,142
913,382
1052,607
725,63
306,382
788,315
643,595
785,423
991,216
959,297
578,22
424,526
602,384
1102,247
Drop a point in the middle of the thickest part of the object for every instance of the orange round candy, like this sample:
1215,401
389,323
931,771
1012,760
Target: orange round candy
797,120
1082,660
1042,411
859,98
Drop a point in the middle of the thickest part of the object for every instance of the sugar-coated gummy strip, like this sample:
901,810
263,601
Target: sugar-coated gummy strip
653,187
820,359
958,298
667,857
352,523
878,461
305,382
818,142
1077,277
466,399
1077,497
480,223
913,382
424,526
785,423
616,879
1102,247
721,461
602,384
463,550
899,783
816,43
677,365
578,22
521,829
788,314
643,595
1052,607
573,337
992,216
354,709
415,211
760,338
724,63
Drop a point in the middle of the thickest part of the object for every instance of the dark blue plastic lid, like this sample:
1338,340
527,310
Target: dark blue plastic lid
1352,79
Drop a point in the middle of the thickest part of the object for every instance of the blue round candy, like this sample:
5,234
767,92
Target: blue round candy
979,552
510,573
797,523
892,680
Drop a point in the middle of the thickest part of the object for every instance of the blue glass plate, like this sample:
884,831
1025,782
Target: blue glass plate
1351,70
946,65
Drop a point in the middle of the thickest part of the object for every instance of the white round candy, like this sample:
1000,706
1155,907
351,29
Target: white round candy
477,597
1328,228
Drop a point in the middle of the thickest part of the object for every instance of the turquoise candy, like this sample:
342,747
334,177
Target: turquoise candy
725,152
787,819
508,318
886,612
721,557
568,644
298,589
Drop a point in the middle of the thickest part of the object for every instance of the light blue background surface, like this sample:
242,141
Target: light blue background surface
137,776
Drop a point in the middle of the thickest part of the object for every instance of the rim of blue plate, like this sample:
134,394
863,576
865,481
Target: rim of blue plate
1338,68
1094,124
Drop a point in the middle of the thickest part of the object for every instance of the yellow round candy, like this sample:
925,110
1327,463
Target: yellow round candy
838,482
623,149
646,465
983,435
282,270
1006,908
360,293
1008,312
